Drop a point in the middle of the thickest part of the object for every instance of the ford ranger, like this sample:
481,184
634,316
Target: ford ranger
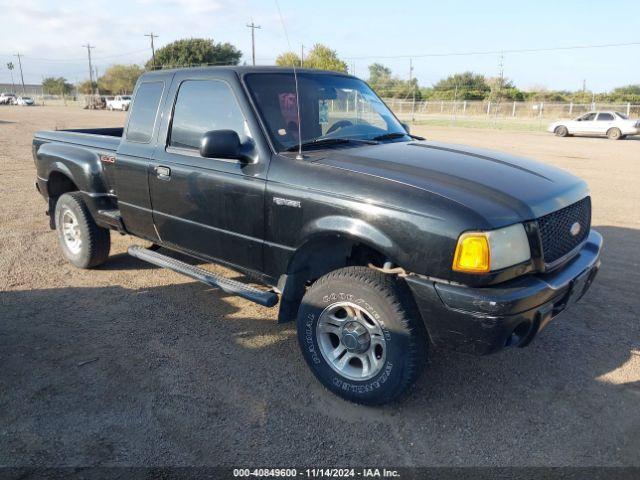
376,242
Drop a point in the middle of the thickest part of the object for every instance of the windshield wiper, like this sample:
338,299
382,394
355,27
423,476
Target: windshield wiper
390,136
329,141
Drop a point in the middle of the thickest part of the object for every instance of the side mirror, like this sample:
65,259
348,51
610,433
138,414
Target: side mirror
221,144
406,127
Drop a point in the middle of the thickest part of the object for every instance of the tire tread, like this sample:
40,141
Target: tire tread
99,239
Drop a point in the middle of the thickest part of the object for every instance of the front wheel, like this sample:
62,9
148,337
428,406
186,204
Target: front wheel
561,131
82,241
361,334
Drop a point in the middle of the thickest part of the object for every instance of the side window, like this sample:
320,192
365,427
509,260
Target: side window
605,117
201,106
589,117
143,112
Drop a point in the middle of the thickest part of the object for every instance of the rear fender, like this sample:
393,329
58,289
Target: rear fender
80,165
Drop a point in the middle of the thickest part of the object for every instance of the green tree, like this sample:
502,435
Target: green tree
628,93
118,79
195,51
56,86
463,86
323,58
288,59
87,87
504,89
379,74
320,57
386,85
542,94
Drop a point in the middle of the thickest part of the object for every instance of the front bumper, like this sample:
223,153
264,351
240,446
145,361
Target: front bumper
485,320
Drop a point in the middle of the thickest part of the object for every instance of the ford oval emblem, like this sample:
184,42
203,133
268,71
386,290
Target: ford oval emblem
575,229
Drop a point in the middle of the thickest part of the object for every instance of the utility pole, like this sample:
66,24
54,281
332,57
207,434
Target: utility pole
88,46
153,50
13,85
501,84
302,55
413,91
21,75
253,28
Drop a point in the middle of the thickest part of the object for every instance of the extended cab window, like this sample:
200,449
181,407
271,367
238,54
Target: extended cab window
143,114
202,106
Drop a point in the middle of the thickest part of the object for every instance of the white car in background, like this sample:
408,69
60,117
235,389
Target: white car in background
119,102
25,101
614,125
7,98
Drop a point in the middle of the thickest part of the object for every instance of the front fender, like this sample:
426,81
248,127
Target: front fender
351,228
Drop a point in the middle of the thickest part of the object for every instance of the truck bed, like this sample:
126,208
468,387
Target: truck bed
99,138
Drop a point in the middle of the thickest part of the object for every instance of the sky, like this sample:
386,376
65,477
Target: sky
50,34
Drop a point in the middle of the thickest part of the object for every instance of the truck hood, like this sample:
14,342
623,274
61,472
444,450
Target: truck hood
502,188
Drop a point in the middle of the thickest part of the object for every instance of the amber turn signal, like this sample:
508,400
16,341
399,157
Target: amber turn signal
473,254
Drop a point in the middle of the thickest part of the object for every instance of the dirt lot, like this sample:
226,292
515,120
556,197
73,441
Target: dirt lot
133,365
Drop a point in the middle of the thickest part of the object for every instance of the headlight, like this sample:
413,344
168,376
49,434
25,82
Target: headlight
483,252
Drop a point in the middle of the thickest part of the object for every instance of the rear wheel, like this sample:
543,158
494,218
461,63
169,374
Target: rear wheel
361,334
82,241
561,131
614,134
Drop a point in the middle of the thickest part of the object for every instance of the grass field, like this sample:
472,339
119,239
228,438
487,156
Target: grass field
484,122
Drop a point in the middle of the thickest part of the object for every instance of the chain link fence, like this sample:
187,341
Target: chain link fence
408,110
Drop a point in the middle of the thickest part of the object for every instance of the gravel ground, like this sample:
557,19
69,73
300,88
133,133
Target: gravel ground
133,365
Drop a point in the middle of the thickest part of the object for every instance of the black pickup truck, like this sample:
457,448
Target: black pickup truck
376,242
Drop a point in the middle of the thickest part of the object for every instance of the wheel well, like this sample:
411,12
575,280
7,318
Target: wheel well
57,184
317,258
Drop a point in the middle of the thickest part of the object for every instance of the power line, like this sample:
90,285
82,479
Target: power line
494,52
153,50
253,28
365,57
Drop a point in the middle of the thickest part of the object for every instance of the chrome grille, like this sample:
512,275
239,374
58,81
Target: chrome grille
555,230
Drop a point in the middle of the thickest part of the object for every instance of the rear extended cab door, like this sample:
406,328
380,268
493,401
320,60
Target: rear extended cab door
135,152
211,207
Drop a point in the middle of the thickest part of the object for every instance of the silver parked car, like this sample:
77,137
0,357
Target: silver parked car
614,125
25,101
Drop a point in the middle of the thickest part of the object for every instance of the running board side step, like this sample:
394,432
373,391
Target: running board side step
232,287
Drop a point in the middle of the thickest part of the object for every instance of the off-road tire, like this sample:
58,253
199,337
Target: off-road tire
96,241
389,300
614,134
561,131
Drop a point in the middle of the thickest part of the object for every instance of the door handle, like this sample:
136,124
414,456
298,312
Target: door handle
163,173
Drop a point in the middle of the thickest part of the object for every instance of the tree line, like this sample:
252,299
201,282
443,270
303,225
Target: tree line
118,79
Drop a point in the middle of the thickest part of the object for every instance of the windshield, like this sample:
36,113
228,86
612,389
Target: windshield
331,107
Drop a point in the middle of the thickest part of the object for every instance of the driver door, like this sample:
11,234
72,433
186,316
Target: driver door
586,123
207,206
